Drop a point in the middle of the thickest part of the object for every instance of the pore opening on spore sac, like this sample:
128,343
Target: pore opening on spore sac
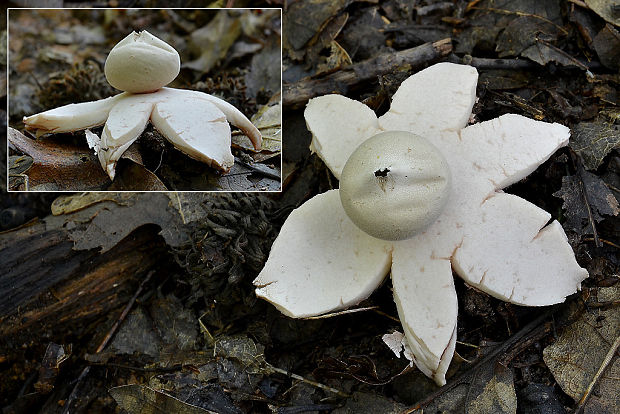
382,173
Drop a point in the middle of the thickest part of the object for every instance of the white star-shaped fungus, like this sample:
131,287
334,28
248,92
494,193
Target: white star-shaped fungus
499,243
141,65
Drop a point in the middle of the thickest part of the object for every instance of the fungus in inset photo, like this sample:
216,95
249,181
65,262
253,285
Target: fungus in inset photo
196,123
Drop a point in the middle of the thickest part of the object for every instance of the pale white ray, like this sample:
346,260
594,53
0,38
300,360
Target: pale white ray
435,99
321,262
73,117
427,306
196,127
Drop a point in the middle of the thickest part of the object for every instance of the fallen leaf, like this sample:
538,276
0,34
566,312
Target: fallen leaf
338,58
601,201
58,166
135,177
607,46
163,330
110,218
606,9
521,27
594,140
244,350
213,41
140,399
366,403
494,395
581,349
264,76
50,367
324,39
305,18
268,120
76,202
365,37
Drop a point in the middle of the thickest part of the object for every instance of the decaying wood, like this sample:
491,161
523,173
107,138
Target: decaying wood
296,95
47,287
76,388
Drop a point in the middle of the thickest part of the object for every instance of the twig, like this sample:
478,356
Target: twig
536,335
309,382
310,408
295,95
597,241
174,368
105,342
464,377
612,244
468,344
575,61
608,358
487,63
387,315
344,312
257,170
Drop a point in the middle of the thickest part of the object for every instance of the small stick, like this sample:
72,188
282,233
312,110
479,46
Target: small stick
344,312
604,241
297,94
309,382
608,358
257,170
597,241
105,341
486,63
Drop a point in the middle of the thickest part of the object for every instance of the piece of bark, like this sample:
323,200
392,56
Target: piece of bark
297,94
50,290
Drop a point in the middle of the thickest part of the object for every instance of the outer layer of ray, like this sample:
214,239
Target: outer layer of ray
338,125
427,306
321,262
185,121
507,149
127,120
73,117
512,256
435,99
233,115
194,122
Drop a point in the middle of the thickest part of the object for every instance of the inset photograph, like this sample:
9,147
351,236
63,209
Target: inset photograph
144,100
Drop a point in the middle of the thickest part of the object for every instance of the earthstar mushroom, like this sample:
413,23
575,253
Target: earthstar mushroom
322,261
141,65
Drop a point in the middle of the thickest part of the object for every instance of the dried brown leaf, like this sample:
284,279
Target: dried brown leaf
135,177
601,201
108,219
577,355
607,9
59,166
214,40
140,399
594,140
